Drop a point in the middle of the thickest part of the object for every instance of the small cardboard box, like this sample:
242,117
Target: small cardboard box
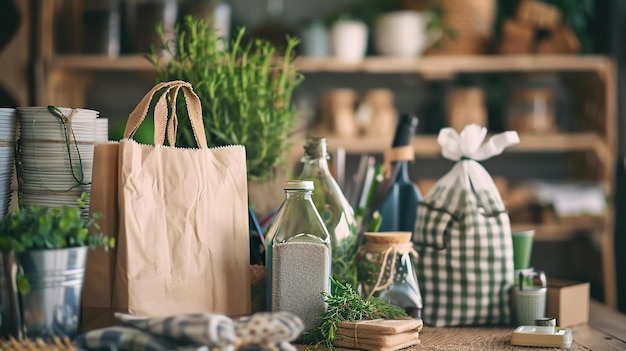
568,301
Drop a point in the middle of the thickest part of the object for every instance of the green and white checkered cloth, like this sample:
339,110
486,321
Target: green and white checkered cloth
465,263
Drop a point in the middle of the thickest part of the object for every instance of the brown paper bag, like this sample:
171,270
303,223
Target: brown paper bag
182,242
96,309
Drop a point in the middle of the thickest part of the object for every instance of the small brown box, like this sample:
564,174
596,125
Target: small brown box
568,301
561,40
517,38
567,39
516,32
538,14
506,48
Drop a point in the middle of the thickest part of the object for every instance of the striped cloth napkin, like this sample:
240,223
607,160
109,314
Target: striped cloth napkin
206,331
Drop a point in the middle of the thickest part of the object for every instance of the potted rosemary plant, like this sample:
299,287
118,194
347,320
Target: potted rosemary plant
245,87
49,247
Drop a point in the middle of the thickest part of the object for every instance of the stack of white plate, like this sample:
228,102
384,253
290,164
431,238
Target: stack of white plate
102,130
7,124
55,155
7,157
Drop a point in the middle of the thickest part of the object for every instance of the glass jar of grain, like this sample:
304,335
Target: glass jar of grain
531,110
298,256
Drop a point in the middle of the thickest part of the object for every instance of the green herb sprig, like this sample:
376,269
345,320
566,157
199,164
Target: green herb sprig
245,88
346,305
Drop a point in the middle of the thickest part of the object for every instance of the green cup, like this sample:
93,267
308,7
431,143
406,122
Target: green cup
522,247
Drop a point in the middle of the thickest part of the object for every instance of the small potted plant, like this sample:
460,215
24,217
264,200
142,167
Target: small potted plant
50,248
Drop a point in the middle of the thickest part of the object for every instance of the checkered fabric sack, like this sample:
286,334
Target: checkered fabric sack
463,236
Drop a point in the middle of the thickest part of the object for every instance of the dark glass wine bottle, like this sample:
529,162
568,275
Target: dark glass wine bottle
398,207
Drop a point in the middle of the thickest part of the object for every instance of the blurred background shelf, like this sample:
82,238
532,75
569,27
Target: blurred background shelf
95,62
427,146
443,66
429,66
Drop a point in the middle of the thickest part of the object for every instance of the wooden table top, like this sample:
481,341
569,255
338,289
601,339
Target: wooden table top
606,330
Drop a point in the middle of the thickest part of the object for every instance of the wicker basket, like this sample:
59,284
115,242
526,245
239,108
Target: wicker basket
472,21
257,282
56,344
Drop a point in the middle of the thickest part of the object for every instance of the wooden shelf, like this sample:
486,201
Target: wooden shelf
100,63
427,146
430,65
435,66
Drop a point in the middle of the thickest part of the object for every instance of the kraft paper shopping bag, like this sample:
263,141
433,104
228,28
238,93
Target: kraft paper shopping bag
182,232
183,238
96,309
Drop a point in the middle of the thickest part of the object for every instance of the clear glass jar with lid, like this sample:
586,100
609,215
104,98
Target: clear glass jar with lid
298,256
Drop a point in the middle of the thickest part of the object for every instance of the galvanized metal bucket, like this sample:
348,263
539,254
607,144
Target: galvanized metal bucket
52,306
10,321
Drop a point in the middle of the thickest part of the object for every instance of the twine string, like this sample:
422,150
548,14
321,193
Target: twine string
69,136
356,335
66,123
356,330
392,250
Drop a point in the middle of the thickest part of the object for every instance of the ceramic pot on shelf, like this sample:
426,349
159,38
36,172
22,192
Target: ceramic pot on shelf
378,113
465,106
336,114
349,40
403,34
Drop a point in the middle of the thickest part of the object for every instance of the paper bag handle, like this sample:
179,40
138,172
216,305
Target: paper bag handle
194,109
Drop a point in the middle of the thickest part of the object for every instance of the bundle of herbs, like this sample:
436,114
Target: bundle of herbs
346,305
245,90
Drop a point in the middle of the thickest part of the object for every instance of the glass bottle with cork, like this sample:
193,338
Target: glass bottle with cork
334,209
298,256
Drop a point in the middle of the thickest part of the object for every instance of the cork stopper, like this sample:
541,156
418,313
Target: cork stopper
315,147
388,237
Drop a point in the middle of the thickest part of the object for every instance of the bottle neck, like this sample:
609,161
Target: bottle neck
315,159
319,162
292,194
404,168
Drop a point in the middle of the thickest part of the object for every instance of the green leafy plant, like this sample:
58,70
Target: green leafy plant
437,24
346,305
33,227
245,90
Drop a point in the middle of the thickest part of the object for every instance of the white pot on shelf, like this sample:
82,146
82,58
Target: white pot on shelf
403,34
349,40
